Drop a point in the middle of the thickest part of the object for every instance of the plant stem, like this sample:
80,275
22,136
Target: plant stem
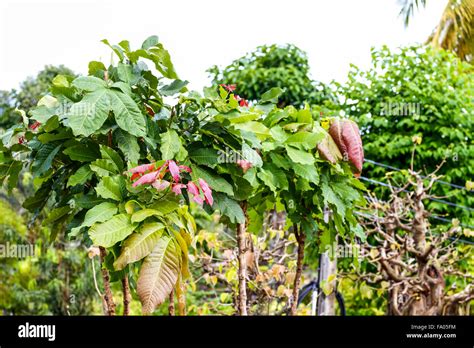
300,237
126,295
241,231
108,296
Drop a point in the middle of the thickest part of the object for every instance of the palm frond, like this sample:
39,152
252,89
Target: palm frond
408,9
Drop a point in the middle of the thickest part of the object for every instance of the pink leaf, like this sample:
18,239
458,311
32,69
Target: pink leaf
245,165
176,188
146,179
142,168
207,191
174,170
198,200
185,169
161,185
346,135
193,189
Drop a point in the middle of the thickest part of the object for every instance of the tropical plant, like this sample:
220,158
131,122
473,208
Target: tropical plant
120,169
272,66
455,30
417,96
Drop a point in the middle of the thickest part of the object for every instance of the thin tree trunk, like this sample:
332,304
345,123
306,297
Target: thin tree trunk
241,231
126,296
171,305
300,237
108,296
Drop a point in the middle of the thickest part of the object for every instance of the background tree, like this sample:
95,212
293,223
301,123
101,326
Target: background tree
27,96
421,95
455,30
273,66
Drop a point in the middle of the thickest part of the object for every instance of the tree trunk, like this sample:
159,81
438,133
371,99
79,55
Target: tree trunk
300,237
108,296
126,296
242,271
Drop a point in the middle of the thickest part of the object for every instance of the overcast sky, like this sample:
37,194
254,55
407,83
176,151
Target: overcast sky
200,33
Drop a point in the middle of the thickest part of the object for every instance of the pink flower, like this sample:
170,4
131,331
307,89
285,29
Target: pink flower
160,185
174,170
142,168
146,179
245,165
207,191
176,188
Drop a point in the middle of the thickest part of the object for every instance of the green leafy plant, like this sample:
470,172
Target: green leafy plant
122,168
273,66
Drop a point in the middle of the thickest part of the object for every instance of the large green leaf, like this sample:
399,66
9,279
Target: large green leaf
127,114
204,156
110,154
90,113
141,215
10,170
299,156
217,183
56,214
100,213
83,152
81,176
108,233
271,95
170,144
158,274
305,140
89,83
110,187
257,128
167,204
44,158
273,177
229,207
104,167
139,245
306,171
128,144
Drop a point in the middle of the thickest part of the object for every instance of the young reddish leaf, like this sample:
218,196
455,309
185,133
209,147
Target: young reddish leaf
174,170
346,135
207,191
146,179
176,188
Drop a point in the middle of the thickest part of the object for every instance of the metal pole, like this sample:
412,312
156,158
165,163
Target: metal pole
327,267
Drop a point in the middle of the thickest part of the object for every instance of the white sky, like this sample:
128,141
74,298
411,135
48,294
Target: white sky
201,33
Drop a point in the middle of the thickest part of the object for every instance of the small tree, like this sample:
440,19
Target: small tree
272,66
417,94
422,267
